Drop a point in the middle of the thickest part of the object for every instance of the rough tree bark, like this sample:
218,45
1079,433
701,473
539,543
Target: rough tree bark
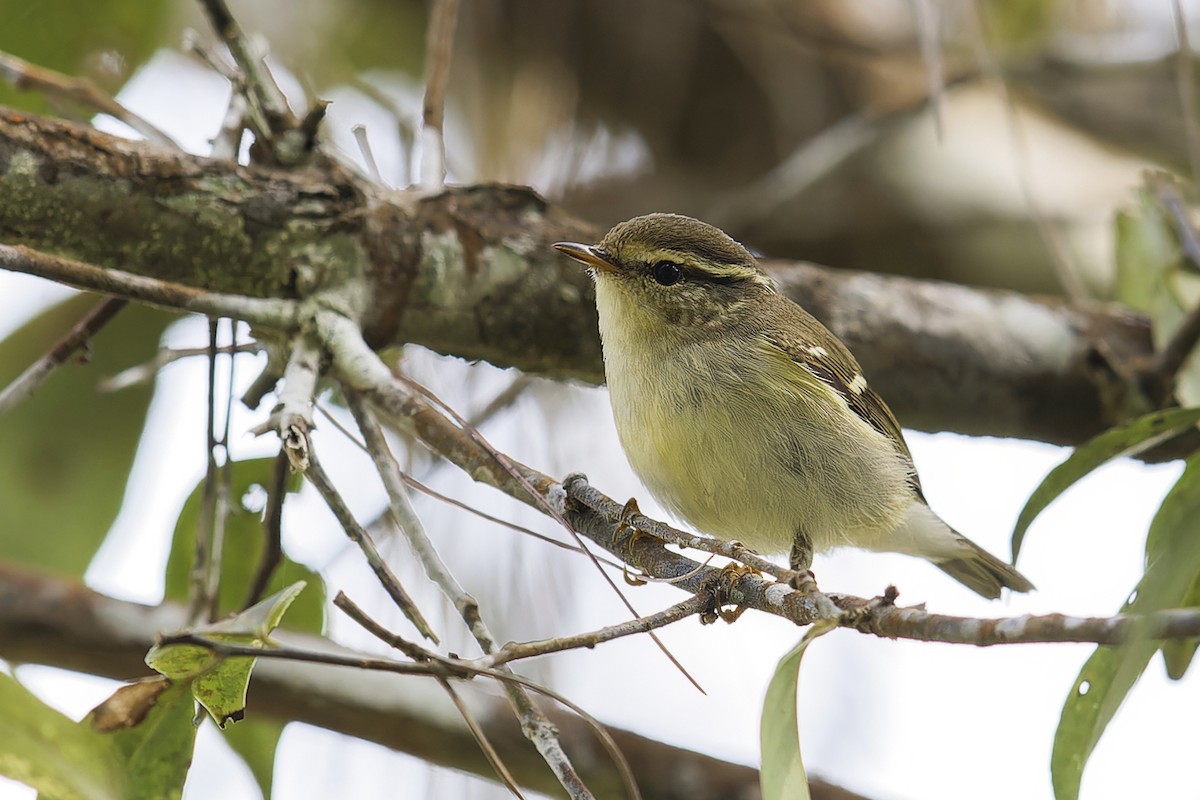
470,272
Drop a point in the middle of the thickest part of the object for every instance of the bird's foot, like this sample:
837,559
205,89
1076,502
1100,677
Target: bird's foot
805,582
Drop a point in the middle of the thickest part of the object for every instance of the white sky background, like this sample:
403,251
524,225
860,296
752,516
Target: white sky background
893,720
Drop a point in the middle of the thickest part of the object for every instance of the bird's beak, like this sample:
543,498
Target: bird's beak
587,254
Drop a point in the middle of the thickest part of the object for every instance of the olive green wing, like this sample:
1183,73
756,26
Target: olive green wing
835,366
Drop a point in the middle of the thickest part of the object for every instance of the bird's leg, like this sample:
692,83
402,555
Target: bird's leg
800,562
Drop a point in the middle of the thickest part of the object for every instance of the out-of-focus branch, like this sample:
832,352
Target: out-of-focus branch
30,77
126,285
470,272
27,382
534,722
439,49
47,620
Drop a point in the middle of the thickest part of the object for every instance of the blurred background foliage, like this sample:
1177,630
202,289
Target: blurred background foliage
801,128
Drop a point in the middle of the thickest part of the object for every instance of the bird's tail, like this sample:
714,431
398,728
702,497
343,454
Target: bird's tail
925,534
983,573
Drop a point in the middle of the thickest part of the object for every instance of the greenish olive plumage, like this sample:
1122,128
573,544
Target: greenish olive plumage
746,417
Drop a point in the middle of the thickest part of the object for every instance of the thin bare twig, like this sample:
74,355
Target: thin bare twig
204,578
694,605
272,555
406,132
534,723
293,416
508,466
736,551
438,666
359,535
260,85
227,144
919,625
1185,83
929,37
439,49
25,76
28,381
280,135
166,356
412,482
418,653
274,312
505,399
1066,268
364,149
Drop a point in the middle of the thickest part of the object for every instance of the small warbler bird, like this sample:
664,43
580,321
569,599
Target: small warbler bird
746,417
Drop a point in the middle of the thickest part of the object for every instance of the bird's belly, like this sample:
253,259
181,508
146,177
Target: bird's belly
735,468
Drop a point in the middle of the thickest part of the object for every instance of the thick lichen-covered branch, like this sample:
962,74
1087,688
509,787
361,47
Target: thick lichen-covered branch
470,272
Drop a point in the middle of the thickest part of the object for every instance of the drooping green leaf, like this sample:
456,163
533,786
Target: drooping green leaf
782,776
220,682
1099,689
151,722
66,451
1173,552
1178,655
1138,435
1172,540
50,752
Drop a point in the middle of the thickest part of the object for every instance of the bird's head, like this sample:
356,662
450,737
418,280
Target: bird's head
674,270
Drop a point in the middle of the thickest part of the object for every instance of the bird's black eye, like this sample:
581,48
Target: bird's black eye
668,273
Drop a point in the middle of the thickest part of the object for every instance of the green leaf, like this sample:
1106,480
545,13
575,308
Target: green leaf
1153,276
243,547
1173,565
219,682
254,739
1140,434
1100,688
1145,251
151,722
1177,655
50,752
782,776
66,451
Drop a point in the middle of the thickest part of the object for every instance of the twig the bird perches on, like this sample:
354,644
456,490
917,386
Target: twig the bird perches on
28,381
600,519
